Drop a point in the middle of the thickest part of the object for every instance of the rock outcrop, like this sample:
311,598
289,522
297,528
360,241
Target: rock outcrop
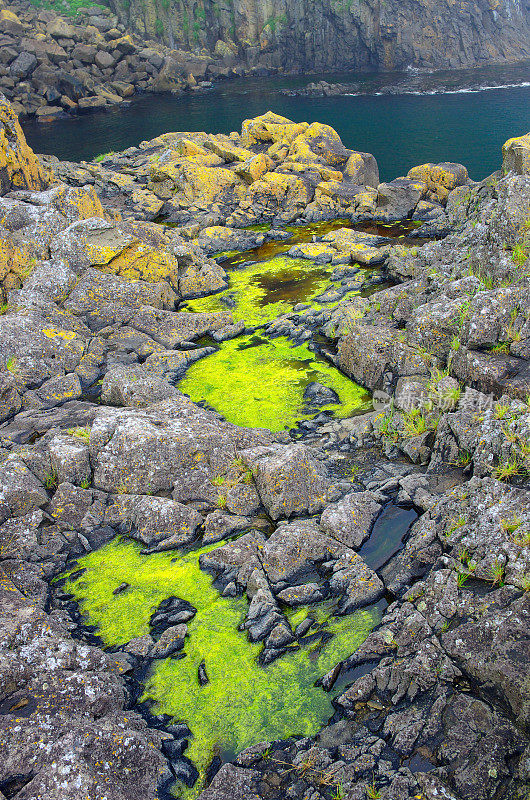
276,172
415,515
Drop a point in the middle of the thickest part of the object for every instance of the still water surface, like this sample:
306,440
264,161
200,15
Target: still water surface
403,119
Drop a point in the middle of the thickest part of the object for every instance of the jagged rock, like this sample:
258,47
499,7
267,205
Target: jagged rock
516,155
289,480
351,519
157,522
19,167
155,449
171,641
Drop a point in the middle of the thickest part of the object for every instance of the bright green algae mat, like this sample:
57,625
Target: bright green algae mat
259,382
261,291
243,703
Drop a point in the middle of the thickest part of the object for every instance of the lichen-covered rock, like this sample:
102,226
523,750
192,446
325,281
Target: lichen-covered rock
157,522
397,199
19,166
516,155
351,519
440,179
290,481
170,445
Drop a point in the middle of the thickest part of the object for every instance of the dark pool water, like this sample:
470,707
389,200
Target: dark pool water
446,116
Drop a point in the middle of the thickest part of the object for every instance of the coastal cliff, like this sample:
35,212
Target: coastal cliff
300,35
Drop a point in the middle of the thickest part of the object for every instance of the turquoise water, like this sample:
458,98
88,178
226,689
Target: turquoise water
407,126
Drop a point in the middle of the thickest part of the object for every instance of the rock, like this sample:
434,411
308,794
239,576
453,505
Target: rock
60,389
10,23
202,675
21,491
493,651
397,199
133,386
104,60
157,522
351,519
219,525
316,395
49,113
70,459
231,780
516,155
139,646
60,29
371,353
23,65
440,179
302,595
91,103
10,402
289,480
162,442
362,170
21,169
171,641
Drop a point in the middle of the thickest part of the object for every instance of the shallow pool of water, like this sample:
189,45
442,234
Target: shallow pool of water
265,282
259,382
243,703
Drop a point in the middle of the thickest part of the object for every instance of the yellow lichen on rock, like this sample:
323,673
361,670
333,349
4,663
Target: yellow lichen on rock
19,166
516,155
15,263
254,168
440,179
78,202
280,188
319,143
204,185
138,261
270,127
6,15
228,151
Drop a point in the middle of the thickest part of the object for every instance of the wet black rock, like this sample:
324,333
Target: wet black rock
315,395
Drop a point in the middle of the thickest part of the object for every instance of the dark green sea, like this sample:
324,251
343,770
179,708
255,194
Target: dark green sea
402,118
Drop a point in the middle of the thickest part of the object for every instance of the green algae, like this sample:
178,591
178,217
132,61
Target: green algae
243,703
265,282
261,291
258,382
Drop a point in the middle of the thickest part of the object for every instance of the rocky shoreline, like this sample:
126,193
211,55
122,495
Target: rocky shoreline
100,450
53,65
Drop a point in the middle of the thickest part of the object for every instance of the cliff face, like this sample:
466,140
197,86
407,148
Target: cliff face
339,34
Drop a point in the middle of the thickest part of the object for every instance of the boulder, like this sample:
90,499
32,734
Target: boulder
10,23
23,65
440,179
290,481
397,199
362,170
516,155
104,60
58,28
351,519
157,522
